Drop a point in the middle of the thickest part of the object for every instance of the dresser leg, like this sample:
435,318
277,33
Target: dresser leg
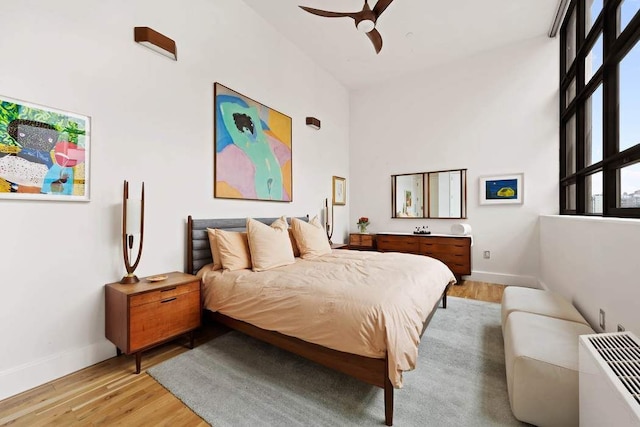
138,360
118,352
191,338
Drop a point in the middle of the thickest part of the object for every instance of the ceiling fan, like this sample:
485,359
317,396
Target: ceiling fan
365,19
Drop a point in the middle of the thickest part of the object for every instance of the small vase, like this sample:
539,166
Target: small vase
363,228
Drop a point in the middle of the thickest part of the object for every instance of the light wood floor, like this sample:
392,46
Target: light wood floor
110,393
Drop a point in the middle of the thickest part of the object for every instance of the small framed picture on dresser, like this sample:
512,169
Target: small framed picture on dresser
339,191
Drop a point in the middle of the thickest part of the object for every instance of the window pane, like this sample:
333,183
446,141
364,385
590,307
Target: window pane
571,40
594,7
630,99
570,132
593,128
594,193
571,92
570,197
593,61
626,11
630,186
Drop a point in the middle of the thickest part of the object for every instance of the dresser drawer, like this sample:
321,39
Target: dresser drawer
448,258
438,247
162,319
162,294
461,267
398,244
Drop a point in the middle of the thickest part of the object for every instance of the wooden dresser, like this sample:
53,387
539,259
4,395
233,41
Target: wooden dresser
454,251
145,314
362,242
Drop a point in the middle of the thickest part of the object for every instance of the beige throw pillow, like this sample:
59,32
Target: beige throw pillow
311,238
215,251
294,245
234,250
270,246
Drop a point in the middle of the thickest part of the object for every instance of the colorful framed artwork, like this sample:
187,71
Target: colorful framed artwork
339,190
253,155
44,152
501,189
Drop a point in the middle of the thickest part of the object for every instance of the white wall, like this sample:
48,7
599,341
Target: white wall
152,122
493,113
594,263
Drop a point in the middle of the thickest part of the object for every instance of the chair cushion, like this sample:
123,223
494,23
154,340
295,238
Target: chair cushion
541,359
546,303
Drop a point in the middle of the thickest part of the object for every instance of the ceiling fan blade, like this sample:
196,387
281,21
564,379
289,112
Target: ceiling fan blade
328,14
376,39
380,6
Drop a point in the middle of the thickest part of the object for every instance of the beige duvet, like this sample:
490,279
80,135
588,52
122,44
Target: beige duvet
364,303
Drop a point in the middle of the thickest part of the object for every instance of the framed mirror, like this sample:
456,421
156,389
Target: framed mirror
409,193
445,193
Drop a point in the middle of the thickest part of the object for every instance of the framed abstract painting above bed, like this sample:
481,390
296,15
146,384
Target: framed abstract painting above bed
252,146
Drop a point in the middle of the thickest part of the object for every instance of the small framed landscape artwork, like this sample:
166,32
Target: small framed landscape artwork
339,191
501,189
44,152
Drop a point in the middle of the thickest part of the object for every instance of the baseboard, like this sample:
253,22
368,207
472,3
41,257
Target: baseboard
504,279
32,374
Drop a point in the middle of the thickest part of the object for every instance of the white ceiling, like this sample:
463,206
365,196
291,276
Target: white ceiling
417,34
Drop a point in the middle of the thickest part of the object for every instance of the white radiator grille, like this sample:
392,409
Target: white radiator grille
622,355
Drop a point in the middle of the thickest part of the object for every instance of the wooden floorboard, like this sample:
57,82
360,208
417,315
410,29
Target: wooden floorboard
109,392
481,291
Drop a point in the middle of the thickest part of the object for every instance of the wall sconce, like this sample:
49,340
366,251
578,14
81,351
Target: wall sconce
132,225
155,41
312,122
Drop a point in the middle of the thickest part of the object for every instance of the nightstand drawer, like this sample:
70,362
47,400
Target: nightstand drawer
361,240
162,319
162,294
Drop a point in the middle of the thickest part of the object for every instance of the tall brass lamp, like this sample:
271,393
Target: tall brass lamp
132,224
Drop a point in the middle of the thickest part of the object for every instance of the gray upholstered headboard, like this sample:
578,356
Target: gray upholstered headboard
198,249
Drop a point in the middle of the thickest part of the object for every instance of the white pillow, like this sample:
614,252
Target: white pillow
311,238
270,246
234,250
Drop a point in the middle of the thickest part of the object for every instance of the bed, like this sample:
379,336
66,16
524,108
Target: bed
374,358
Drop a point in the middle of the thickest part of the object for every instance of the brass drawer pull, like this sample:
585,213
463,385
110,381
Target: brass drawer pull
168,300
169,289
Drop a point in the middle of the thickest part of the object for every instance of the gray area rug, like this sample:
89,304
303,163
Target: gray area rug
234,380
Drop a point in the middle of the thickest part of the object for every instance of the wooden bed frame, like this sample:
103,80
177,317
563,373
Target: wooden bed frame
370,370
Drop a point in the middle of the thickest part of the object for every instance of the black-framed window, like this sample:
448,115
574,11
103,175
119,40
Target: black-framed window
600,109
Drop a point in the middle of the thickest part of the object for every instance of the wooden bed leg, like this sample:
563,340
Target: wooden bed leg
444,299
388,403
388,398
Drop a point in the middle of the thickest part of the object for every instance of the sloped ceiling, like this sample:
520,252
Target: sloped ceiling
417,34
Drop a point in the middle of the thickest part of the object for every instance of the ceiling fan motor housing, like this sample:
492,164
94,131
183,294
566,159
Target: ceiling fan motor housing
366,21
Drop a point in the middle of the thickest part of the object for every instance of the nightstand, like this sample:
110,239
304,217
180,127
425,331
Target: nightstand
145,314
362,242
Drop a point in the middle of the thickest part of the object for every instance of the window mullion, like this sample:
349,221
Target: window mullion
580,112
